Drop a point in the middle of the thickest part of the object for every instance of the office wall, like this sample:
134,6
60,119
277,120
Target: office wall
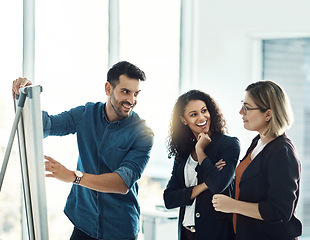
225,60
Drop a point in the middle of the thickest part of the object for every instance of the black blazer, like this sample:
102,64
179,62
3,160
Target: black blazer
209,224
272,181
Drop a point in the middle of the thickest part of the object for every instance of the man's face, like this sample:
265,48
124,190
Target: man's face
122,98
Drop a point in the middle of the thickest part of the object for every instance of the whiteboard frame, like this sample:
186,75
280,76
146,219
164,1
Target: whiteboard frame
30,141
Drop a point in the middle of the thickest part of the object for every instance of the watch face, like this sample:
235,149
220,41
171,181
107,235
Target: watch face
78,173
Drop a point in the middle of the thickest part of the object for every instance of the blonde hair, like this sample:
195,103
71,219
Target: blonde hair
269,95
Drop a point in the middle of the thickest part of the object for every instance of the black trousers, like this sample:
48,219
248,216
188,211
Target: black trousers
187,235
77,234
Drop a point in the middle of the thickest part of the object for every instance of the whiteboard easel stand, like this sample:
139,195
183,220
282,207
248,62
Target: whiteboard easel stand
33,184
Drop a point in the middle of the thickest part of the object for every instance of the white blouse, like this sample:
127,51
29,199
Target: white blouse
258,148
190,176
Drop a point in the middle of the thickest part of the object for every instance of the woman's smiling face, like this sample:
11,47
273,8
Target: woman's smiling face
197,117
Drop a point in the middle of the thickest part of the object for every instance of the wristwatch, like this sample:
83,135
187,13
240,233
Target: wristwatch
78,177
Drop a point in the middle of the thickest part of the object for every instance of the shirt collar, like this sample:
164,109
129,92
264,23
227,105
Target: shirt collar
105,117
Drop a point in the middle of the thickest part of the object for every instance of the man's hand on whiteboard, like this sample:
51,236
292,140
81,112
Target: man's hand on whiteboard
19,83
56,170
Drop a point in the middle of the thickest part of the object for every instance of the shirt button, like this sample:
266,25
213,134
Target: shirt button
198,215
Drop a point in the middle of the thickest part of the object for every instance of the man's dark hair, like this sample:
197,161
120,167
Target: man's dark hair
124,68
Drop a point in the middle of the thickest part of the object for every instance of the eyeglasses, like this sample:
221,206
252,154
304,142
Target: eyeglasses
246,109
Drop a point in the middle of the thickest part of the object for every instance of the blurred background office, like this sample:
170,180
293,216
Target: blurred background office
218,47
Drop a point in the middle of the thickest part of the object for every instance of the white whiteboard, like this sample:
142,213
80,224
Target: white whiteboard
30,136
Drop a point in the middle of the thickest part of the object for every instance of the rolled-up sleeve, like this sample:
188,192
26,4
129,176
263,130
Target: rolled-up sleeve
46,124
135,161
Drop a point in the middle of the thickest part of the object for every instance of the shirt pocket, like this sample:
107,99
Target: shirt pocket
113,157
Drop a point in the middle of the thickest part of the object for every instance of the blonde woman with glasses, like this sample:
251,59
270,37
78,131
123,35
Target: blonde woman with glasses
268,177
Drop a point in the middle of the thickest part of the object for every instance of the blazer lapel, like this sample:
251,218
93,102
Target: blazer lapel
181,171
255,166
253,169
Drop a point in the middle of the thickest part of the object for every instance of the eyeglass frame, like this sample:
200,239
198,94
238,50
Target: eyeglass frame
245,109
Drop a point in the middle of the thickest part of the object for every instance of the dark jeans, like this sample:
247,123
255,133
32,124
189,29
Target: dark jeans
77,234
187,235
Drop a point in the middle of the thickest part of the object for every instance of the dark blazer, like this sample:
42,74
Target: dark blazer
209,224
272,181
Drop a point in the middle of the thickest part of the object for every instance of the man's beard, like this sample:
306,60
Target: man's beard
117,107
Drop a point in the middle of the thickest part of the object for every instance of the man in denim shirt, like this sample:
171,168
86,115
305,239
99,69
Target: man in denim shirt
114,147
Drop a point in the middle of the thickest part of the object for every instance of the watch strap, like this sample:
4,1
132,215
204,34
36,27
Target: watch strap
77,180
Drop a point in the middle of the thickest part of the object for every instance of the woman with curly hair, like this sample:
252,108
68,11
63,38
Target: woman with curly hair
204,163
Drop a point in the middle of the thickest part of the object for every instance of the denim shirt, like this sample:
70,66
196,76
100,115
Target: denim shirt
104,147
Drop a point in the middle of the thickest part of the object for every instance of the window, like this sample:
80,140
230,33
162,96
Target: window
71,63
150,38
10,68
287,61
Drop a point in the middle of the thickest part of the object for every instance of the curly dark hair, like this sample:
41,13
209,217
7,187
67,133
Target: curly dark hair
181,140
